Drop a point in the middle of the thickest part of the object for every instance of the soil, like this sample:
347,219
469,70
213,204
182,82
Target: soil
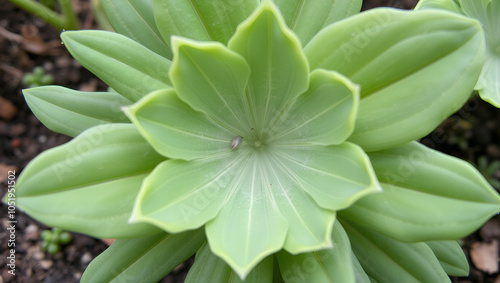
26,42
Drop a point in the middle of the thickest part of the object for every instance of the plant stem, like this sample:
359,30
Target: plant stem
54,19
71,20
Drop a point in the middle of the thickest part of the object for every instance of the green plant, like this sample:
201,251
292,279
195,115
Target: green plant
488,13
65,20
54,239
278,137
37,78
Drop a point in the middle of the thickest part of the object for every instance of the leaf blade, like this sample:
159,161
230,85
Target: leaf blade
298,15
427,196
205,184
175,130
398,89
249,227
451,257
71,112
328,265
135,19
143,259
325,114
59,186
140,69
279,69
388,260
212,79
204,20
310,167
209,268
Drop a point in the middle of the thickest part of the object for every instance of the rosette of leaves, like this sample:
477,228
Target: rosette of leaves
488,13
274,140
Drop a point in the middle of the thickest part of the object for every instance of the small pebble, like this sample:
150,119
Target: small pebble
42,139
46,264
5,171
86,258
77,275
485,256
38,255
31,232
15,143
7,109
17,130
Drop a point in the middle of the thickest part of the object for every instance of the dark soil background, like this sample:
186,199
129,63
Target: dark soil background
26,41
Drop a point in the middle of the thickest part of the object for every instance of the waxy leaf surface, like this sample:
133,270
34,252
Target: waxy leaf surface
426,196
205,20
414,68
451,257
212,79
128,67
131,260
135,19
328,265
449,5
249,226
210,268
175,130
306,18
279,69
89,184
180,195
488,13
71,112
333,185
387,260
324,114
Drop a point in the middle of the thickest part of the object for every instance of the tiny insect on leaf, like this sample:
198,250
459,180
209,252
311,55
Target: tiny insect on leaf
236,141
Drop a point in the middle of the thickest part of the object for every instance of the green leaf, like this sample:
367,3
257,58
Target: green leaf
180,195
207,20
333,185
249,226
489,82
135,19
396,58
279,69
175,130
426,196
359,273
451,257
387,260
146,259
449,5
89,184
125,65
309,226
325,114
306,18
71,112
329,265
488,13
209,268
211,79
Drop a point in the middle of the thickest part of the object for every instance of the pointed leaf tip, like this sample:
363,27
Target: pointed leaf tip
279,68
